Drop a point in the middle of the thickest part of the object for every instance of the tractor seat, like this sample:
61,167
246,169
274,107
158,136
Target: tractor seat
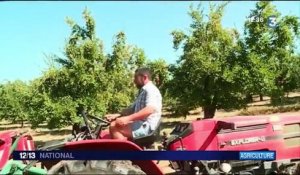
147,141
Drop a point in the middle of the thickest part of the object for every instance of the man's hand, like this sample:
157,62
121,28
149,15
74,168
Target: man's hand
122,121
112,117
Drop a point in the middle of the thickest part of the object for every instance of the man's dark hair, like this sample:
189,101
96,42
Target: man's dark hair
144,71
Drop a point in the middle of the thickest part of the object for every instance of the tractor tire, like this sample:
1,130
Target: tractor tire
95,167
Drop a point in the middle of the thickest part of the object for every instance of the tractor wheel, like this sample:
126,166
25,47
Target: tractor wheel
95,167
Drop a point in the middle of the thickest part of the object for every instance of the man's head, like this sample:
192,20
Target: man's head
141,77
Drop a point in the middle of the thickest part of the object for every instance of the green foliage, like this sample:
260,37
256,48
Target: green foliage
79,80
270,52
160,72
85,76
208,72
120,67
13,97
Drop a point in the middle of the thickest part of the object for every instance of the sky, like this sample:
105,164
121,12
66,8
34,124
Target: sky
31,30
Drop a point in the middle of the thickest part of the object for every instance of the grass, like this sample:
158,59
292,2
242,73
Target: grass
272,110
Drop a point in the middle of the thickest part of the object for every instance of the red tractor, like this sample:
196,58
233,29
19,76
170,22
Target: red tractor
280,134
241,133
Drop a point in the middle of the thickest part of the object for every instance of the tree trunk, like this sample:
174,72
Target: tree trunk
261,97
22,123
209,111
249,98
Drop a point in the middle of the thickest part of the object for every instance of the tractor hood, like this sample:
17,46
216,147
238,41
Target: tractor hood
5,145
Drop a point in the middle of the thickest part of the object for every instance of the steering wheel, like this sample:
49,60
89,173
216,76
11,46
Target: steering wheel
99,120
100,123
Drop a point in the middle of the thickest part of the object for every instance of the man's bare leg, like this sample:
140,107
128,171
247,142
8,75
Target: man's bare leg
121,133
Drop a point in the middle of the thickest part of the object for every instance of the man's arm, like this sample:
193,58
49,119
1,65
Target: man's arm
124,112
152,105
142,114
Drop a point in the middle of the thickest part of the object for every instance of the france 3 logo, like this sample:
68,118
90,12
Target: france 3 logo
272,23
271,20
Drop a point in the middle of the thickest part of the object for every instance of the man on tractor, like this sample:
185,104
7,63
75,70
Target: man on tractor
143,115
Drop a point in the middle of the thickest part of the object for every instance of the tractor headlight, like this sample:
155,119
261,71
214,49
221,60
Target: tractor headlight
225,167
174,165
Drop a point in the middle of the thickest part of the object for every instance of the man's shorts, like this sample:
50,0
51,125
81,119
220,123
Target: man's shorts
140,129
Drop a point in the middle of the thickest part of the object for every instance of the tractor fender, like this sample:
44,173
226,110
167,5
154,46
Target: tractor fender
5,145
148,166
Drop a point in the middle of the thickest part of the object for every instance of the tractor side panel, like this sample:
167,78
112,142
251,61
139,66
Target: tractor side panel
233,139
290,137
281,136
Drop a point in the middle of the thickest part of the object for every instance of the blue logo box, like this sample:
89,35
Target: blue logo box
257,155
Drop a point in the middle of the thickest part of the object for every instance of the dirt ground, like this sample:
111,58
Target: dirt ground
42,134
